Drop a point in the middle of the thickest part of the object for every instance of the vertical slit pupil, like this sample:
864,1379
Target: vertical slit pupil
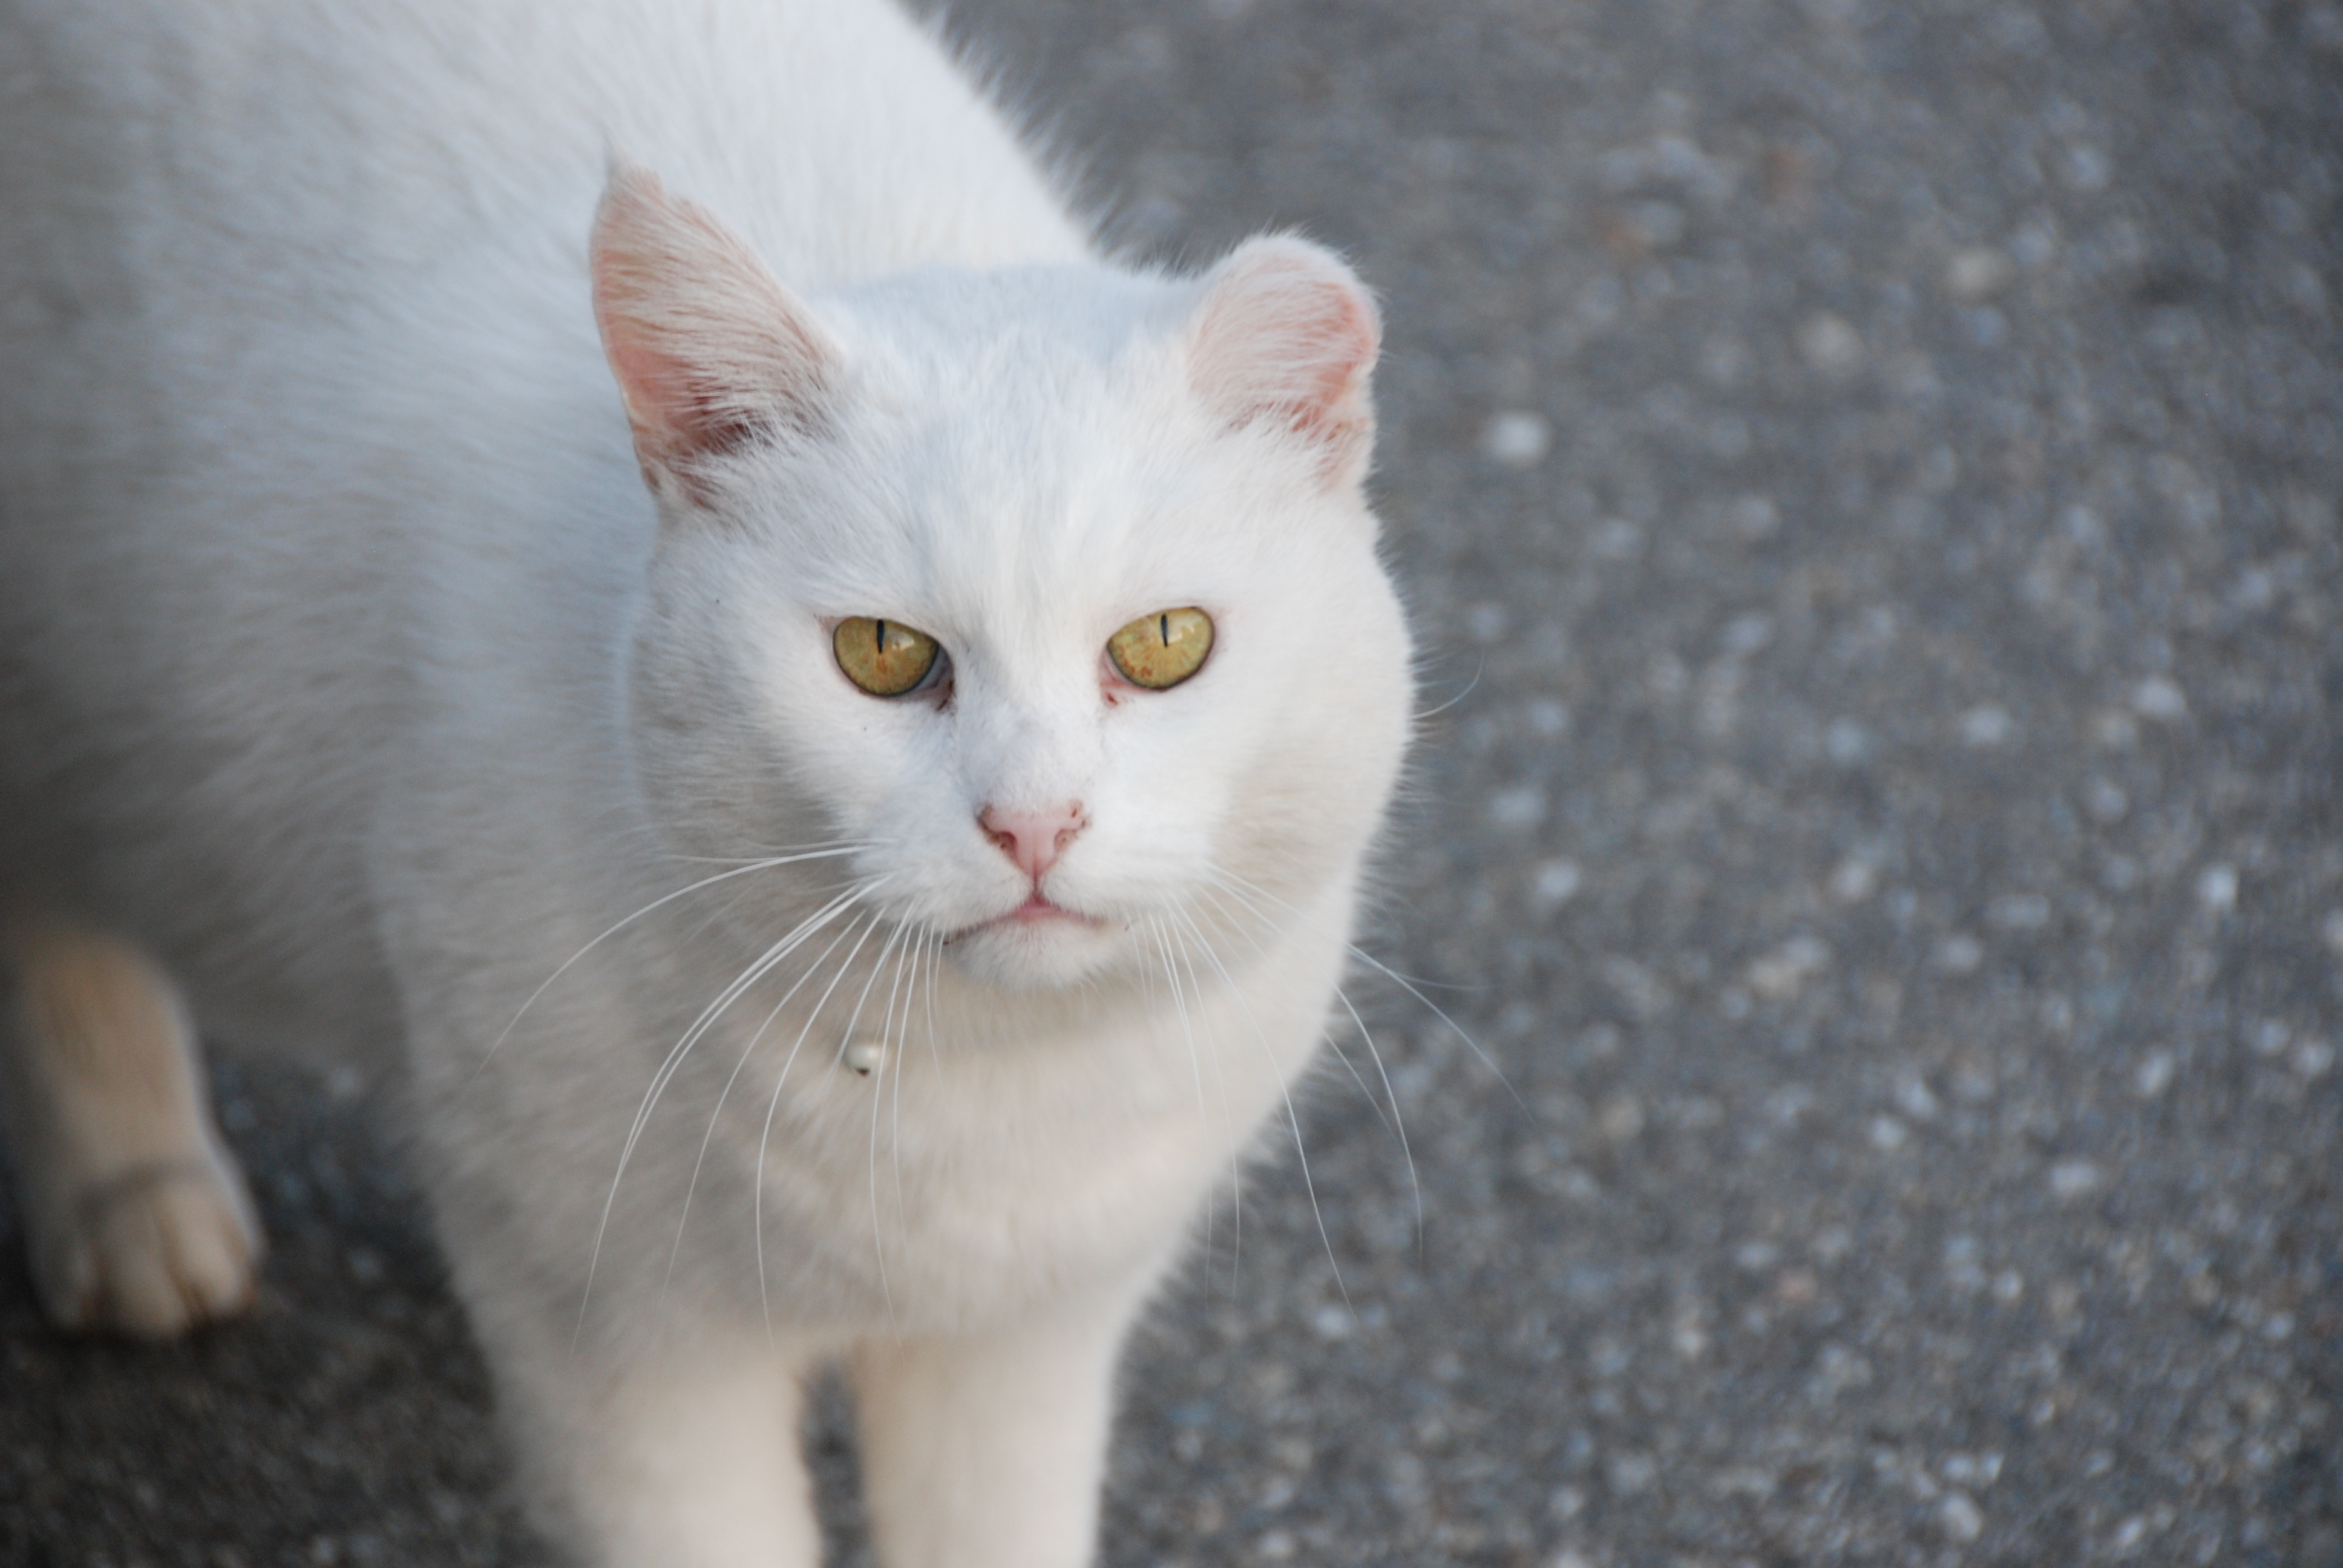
1164,625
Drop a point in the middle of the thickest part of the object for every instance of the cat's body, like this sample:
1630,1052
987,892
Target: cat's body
349,668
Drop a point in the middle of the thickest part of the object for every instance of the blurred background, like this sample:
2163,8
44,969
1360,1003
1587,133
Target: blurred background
1865,473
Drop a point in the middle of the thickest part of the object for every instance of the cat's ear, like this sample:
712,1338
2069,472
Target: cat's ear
1286,333
711,352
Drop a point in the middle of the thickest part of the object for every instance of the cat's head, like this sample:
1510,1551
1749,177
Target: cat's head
1047,599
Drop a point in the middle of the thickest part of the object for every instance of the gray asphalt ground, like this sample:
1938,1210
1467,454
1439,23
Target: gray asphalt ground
1866,475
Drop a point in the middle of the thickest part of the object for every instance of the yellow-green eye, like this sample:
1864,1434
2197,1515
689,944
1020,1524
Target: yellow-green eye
1162,649
884,658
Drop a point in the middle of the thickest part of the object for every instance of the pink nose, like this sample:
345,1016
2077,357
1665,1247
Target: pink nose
1033,839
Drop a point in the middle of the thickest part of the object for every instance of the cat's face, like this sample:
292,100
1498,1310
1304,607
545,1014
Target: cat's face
893,626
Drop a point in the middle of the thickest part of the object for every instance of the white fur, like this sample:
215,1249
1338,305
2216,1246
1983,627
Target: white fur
349,663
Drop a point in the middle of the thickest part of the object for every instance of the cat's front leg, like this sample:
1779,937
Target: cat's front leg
987,1450
138,1220
679,1454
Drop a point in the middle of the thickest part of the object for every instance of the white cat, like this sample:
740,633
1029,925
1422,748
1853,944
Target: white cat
989,637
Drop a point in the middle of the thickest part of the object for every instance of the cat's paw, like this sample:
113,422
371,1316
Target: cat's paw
152,1252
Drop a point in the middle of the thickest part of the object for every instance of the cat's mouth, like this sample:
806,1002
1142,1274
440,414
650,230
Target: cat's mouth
1036,913
1037,909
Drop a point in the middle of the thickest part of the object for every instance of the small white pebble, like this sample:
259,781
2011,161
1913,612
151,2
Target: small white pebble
1887,1134
1608,1357
1755,518
1847,742
1745,634
1520,808
1961,1519
1332,1322
1781,974
2033,246
2216,889
2020,912
1960,955
1486,623
1987,726
2256,588
1555,884
2154,1075
2311,1057
1915,1099
2074,1178
1617,539
1976,1469
1633,1473
1977,273
2088,168
1831,343
2158,698
1856,879
1517,439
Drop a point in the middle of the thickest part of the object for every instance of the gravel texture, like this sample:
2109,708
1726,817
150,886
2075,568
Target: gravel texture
1866,475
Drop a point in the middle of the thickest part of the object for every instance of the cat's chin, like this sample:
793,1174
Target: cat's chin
1028,950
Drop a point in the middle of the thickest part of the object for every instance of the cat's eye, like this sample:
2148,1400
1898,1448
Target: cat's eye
884,658
1162,649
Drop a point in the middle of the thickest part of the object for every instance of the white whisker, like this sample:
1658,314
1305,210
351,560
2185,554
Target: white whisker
877,1233
1394,1123
836,907
791,860
1228,1118
935,972
1238,887
1188,1028
673,1064
887,1078
869,923
1180,1004
1399,1126
1293,1118
898,1060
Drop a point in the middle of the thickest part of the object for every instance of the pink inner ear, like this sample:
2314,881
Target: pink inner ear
692,417
710,352
1287,333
